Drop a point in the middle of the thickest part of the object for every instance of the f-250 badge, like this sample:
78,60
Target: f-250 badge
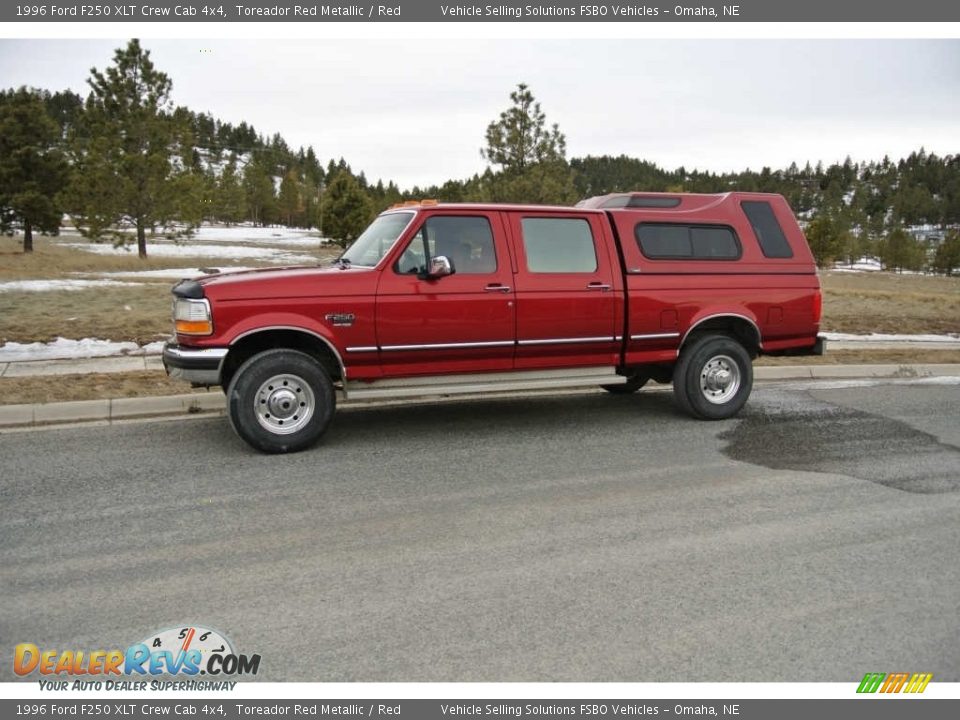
340,319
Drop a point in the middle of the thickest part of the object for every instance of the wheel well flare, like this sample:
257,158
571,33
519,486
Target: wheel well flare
739,327
249,345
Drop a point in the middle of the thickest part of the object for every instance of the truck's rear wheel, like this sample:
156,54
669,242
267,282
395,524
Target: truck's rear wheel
280,401
713,377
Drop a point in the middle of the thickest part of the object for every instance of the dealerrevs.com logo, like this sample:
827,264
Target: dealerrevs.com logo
180,652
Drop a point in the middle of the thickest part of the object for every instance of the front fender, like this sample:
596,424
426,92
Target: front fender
281,321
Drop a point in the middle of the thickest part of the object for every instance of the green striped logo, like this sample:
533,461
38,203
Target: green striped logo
894,682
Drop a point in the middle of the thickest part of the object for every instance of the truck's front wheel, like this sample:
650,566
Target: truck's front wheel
713,378
280,401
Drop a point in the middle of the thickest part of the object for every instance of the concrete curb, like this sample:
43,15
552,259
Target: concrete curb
110,410
828,372
113,364
214,403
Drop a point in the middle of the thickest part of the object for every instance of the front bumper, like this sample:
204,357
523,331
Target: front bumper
200,366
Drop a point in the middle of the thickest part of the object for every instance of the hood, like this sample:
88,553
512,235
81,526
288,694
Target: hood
286,282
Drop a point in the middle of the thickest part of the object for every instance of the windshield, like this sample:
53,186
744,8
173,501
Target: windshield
377,239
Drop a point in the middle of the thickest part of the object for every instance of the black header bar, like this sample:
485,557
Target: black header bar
304,11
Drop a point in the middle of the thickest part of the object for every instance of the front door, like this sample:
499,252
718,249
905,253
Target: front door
464,322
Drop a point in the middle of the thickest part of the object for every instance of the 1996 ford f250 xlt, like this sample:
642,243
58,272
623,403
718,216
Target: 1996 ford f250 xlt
439,299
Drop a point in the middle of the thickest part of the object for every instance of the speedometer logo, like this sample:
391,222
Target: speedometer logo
202,643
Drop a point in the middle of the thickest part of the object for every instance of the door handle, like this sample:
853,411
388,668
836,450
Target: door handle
494,287
598,286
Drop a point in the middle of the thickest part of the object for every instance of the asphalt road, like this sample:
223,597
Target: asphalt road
580,538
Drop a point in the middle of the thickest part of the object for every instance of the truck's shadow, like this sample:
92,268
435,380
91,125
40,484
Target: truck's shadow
355,426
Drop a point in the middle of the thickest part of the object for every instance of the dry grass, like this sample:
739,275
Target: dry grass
95,386
890,303
138,313
853,302
50,259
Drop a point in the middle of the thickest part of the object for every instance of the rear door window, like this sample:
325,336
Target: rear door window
559,245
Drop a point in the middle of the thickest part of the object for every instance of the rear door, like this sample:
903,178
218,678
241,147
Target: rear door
569,299
463,322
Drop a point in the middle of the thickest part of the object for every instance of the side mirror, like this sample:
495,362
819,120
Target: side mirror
440,266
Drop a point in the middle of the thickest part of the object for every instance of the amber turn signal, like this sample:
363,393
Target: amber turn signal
194,327
192,316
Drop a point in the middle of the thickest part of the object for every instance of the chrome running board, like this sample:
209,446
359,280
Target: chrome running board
432,385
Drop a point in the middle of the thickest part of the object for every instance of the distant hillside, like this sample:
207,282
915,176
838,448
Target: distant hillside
850,209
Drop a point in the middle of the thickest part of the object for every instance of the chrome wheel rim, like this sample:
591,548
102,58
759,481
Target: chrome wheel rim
719,379
284,404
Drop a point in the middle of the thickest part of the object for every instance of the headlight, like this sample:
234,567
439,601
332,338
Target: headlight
192,317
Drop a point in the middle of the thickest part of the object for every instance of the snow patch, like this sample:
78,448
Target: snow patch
51,285
864,264
170,273
64,348
883,337
154,348
189,250
261,235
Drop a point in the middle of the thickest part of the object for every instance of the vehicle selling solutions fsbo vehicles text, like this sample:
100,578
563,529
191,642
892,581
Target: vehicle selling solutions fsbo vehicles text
584,11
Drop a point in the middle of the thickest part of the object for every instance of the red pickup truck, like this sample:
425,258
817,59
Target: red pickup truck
440,299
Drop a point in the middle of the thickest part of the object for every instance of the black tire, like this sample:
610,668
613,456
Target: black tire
280,401
634,383
713,378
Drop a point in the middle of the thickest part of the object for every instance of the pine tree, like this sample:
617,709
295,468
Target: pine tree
32,167
309,199
530,156
289,199
826,239
346,209
391,195
193,197
259,192
900,250
312,170
65,108
520,138
947,257
230,204
123,147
